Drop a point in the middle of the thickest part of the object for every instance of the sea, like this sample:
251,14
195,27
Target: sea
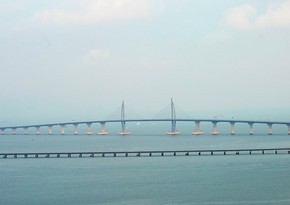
219,179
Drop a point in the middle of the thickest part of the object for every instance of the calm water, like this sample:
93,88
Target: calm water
243,179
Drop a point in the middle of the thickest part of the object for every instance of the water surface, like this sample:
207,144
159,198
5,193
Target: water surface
230,179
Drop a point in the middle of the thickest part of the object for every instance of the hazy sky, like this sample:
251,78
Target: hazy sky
78,59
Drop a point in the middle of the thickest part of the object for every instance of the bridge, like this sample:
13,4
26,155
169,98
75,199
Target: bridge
173,120
145,153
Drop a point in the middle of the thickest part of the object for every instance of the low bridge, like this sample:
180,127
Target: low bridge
173,120
145,153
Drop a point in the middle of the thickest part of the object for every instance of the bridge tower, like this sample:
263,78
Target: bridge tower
124,130
173,120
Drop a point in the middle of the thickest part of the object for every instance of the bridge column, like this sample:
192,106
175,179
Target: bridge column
288,129
14,131
25,130
103,129
49,130
89,129
197,131
233,128
251,132
75,129
214,130
62,131
270,130
2,131
37,130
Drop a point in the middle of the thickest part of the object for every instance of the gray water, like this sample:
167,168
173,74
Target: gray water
230,179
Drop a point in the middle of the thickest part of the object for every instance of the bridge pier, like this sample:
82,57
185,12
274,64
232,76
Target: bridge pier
214,130
75,128
25,129
62,131
49,130
14,131
233,128
37,130
288,129
103,129
197,131
2,131
89,129
251,132
270,130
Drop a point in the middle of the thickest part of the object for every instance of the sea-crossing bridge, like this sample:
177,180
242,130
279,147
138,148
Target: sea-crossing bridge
173,120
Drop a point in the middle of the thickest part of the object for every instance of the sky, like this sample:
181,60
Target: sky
64,60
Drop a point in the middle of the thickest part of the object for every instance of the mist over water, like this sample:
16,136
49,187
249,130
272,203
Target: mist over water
218,179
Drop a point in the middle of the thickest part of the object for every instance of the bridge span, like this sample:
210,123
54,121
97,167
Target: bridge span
124,131
173,120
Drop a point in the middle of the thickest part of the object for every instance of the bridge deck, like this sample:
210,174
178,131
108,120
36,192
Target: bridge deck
150,120
144,153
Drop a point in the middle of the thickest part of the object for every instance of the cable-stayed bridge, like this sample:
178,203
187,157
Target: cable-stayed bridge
159,117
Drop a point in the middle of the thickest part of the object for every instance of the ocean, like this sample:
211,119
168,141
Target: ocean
231,179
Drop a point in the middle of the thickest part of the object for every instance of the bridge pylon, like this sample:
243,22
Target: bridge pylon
124,130
173,130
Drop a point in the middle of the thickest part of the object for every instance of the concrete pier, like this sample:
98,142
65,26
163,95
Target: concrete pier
103,129
89,129
197,131
251,132
14,131
62,131
233,128
49,130
288,129
214,128
25,129
270,129
37,130
75,128
2,131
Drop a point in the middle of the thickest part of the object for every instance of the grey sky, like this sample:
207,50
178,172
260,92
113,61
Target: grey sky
78,59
